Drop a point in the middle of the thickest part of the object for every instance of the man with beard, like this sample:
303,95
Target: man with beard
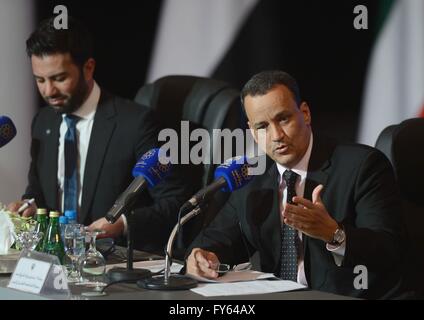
86,142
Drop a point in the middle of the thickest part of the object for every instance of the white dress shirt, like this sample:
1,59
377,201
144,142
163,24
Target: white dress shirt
301,168
84,126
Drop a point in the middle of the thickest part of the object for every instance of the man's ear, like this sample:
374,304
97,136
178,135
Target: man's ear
88,69
304,108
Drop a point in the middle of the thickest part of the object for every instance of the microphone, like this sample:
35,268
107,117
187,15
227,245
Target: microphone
147,172
229,176
233,174
7,130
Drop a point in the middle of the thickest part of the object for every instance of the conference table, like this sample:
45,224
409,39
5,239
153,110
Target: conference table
128,291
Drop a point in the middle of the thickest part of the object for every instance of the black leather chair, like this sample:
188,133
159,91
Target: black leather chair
205,103
403,144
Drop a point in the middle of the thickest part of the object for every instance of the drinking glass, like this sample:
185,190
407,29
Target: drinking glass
92,265
28,240
74,248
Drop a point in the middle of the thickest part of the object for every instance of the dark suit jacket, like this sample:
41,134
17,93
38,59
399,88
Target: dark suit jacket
121,133
359,191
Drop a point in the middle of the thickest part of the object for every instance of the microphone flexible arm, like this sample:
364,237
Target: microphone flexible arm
168,257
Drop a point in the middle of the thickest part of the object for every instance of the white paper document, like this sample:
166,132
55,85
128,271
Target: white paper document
232,276
153,266
247,287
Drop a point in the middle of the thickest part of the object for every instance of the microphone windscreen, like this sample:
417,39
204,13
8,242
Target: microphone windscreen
150,167
7,130
235,171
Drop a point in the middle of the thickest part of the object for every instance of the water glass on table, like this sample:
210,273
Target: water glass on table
74,249
93,267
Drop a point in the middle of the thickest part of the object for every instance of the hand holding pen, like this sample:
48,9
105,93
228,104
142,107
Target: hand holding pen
25,205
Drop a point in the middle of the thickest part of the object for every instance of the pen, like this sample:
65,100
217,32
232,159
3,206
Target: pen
26,204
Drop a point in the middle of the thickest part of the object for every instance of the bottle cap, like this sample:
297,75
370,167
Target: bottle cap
63,220
54,214
41,211
71,214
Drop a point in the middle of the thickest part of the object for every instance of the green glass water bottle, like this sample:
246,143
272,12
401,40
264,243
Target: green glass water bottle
41,226
53,243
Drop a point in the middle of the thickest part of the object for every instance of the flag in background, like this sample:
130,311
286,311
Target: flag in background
193,36
18,99
394,89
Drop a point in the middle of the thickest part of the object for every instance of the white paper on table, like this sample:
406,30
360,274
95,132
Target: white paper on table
247,287
233,276
153,266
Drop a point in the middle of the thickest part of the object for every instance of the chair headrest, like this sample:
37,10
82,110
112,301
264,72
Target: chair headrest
206,103
403,144
180,97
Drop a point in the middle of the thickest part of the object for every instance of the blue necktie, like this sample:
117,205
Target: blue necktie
71,158
289,235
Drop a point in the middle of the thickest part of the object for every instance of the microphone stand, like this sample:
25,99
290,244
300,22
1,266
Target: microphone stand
129,274
168,281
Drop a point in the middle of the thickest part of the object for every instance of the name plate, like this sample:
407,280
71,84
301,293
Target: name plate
30,275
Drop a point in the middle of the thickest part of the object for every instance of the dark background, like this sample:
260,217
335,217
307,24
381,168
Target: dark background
315,41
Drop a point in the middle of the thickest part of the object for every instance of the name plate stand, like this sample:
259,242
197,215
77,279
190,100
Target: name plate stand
41,274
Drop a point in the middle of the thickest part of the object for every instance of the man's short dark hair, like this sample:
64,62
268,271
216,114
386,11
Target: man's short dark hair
261,83
47,40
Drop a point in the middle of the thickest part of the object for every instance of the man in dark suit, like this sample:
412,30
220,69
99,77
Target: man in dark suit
109,135
326,215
